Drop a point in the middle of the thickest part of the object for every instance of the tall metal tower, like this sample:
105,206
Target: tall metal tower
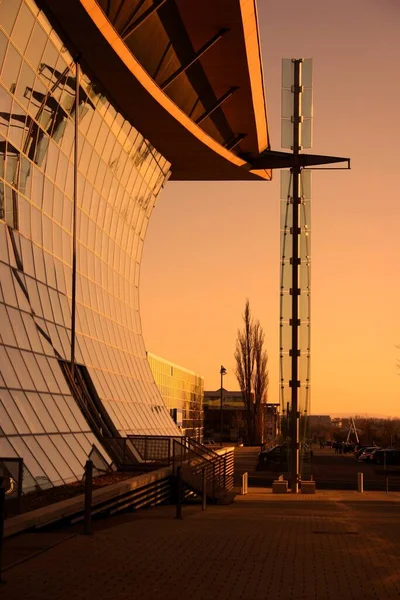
295,244
295,310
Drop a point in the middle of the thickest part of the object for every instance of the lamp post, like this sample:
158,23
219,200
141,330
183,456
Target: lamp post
222,372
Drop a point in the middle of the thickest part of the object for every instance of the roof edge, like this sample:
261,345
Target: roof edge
113,39
252,42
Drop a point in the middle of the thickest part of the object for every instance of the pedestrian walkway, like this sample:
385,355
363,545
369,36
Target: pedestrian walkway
334,545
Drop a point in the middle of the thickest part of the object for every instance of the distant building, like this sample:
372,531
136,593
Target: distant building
234,421
319,420
182,391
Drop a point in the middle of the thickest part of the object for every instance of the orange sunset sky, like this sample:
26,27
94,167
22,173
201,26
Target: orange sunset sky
212,245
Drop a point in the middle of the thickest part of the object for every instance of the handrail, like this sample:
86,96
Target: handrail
191,455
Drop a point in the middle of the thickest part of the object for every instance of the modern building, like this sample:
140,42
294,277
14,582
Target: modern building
233,415
234,418
101,101
183,392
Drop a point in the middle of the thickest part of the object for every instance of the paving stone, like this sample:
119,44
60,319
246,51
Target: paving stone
334,545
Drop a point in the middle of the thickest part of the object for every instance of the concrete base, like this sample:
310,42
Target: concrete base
279,487
308,487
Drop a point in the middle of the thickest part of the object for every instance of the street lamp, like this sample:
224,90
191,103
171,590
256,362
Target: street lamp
222,372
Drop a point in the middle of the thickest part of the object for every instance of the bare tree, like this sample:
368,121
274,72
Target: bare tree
252,373
260,380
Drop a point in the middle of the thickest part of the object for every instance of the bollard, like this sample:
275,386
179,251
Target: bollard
360,482
245,479
204,490
2,516
179,493
88,497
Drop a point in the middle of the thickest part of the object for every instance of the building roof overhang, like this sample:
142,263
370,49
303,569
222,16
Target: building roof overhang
193,153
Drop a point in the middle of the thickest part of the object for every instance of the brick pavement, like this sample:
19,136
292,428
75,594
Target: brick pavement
332,546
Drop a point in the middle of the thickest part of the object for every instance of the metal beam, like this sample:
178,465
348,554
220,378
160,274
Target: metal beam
295,290
147,13
195,58
231,144
216,105
285,160
74,217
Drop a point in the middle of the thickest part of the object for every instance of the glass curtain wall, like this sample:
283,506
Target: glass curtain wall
183,394
119,177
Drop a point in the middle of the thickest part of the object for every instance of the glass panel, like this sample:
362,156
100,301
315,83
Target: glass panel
44,462
6,423
50,448
27,412
15,415
306,133
50,403
5,111
305,245
286,180
20,367
3,47
36,46
32,333
6,449
66,413
22,28
35,372
305,184
8,13
304,337
286,244
287,103
18,328
69,455
85,443
11,68
47,373
7,370
287,72
306,110
304,306
41,412
77,415
286,306
31,463
307,72
286,133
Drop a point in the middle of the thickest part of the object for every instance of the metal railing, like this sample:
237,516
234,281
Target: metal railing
196,459
189,454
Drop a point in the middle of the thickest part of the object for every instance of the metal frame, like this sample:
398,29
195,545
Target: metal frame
194,59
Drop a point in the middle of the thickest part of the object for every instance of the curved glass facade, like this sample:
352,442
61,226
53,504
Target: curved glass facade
119,177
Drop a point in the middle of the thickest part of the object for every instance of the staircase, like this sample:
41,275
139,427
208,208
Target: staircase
202,462
194,459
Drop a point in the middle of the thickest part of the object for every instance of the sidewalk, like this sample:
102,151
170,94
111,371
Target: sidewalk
334,545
